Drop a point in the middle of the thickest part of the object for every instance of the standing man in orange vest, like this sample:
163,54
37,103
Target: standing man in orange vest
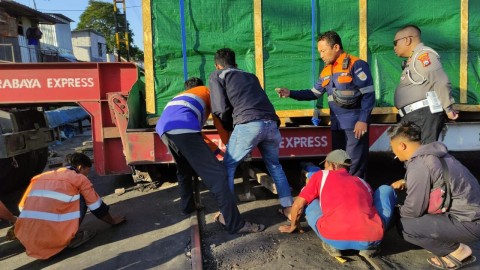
347,81
53,207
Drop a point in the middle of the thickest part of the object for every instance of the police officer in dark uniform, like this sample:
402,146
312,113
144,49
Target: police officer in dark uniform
348,83
424,92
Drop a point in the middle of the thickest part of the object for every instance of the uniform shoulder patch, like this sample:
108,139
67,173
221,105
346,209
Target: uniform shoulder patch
362,76
424,58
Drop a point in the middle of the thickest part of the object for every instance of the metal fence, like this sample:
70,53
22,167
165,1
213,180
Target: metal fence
17,50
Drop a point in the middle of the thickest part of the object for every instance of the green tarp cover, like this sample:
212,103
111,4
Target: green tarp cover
287,36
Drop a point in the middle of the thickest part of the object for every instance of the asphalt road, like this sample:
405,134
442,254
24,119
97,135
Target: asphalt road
156,234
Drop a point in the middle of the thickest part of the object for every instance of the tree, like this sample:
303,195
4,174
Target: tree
99,16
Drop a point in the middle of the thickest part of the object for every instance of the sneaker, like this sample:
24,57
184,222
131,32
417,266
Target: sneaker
250,227
331,250
196,207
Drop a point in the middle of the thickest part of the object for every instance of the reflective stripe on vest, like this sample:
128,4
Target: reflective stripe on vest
200,112
53,195
95,205
49,216
367,89
186,104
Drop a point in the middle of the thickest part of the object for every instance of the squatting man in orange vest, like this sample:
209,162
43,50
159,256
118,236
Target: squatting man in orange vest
55,204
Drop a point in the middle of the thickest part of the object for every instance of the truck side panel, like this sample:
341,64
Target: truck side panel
288,30
84,83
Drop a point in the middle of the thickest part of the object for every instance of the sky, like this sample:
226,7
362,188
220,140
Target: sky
74,8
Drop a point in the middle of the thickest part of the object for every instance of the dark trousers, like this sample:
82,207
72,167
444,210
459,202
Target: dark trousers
192,155
430,124
83,209
439,234
356,149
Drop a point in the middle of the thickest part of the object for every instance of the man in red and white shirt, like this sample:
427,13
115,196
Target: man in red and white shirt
342,209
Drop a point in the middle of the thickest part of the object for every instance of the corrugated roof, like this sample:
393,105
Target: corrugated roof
15,9
87,30
61,17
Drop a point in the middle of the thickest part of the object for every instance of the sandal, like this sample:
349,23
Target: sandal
282,213
250,227
443,264
81,238
331,250
10,236
372,251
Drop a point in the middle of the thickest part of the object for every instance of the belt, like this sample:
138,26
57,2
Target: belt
413,107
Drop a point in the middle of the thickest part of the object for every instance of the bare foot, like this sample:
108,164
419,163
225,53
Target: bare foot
218,217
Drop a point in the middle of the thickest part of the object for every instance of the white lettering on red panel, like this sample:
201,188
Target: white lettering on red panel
290,142
20,83
304,142
69,82
49,83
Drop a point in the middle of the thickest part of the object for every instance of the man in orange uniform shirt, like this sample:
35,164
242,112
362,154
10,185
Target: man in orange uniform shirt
53,207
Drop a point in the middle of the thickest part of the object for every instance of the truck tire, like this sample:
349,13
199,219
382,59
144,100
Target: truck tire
17,177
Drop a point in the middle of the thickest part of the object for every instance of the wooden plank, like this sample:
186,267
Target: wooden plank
258,34
263,179
326,112
466,107
152,121
110,133
148,59
298,113
463,50
363,35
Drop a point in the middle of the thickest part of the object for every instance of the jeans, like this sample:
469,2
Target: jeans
384,200
83,209
265,135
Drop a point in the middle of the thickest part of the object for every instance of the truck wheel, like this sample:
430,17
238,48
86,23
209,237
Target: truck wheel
41,156
17,177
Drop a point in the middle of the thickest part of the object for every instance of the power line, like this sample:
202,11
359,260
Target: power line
75,9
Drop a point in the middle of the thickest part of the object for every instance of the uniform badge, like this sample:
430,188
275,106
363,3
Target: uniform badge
362,76
425,59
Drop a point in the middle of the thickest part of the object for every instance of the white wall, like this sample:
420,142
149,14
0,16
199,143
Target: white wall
85,46
57,37
98,54
49,36
81,46
64,37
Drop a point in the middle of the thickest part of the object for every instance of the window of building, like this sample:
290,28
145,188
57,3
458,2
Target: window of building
100,49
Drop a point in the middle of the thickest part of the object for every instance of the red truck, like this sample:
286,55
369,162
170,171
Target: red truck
275,40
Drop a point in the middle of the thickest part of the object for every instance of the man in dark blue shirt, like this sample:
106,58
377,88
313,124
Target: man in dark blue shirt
238,100
348,83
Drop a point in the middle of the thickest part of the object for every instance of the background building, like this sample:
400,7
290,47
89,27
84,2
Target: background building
89,46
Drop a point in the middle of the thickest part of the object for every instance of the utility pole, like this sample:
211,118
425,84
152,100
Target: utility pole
121,27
